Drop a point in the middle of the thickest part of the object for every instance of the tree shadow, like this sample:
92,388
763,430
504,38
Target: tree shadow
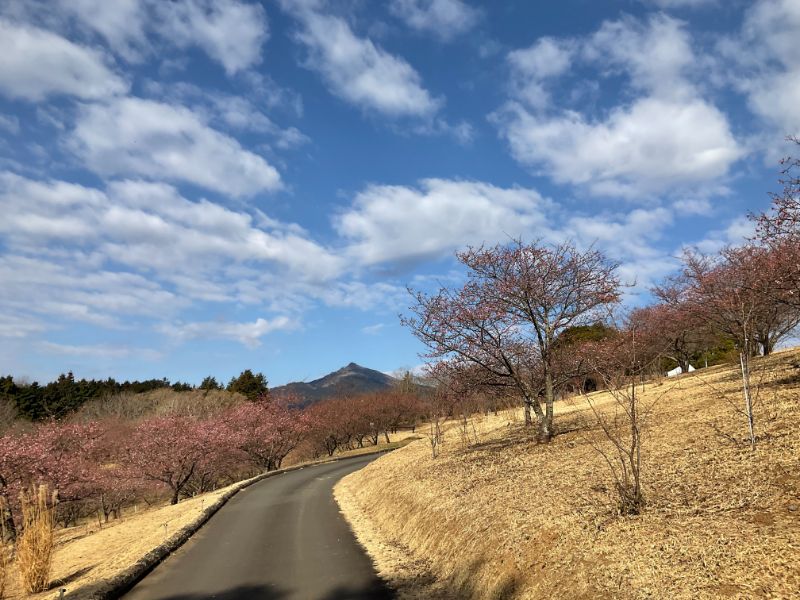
63,581
375,590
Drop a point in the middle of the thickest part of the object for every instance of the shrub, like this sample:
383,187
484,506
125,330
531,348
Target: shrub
35,545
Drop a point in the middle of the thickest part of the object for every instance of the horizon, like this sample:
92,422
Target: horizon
200,188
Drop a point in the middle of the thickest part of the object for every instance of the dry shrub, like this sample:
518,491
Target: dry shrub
35,545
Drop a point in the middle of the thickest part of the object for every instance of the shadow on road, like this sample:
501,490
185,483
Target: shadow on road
374,591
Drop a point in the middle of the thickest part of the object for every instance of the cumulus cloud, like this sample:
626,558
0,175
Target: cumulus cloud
35,63
666,138
122,24
444,19
530,67
655,54
763,66
133,136
403,223
356,69
229,31
649,147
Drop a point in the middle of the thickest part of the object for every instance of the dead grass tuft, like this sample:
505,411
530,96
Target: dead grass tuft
4,558
34,552
507,518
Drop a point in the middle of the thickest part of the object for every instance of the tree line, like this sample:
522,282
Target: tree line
60,398
99,466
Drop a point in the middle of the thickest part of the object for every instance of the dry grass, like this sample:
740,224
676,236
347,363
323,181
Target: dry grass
507,518
90,553
34,551
3,569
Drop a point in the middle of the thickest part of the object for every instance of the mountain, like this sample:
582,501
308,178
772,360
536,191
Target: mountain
352,379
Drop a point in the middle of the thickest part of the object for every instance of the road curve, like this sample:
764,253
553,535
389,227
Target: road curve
280,539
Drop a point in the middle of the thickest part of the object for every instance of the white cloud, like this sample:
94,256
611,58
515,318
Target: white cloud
667,138
357,70
655,54
680,3
121,23
530,67
248,334
225,111
400,223
132,136
735,233
35,63
100,351
19,325
373,329
650,147
9,123
443,18
139,250
763,64
229,31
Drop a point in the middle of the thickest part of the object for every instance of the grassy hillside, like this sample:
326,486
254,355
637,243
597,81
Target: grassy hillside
507,518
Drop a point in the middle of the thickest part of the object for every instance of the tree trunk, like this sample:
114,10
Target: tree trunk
683,363
175,493
9,529
546,421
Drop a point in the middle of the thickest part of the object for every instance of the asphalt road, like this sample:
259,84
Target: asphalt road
280,539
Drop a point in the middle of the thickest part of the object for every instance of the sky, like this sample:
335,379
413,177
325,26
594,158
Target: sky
197,187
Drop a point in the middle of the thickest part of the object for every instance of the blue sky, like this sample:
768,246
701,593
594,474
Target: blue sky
198,187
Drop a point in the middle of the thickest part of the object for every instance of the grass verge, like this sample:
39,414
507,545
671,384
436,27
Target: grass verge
507,518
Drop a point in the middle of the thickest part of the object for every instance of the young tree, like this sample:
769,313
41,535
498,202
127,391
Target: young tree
251,386
210,383
506,319
734,292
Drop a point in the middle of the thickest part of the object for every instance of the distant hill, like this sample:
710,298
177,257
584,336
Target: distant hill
352,379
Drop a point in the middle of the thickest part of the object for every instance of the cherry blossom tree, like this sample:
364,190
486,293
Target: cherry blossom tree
267,431
506,319
170,451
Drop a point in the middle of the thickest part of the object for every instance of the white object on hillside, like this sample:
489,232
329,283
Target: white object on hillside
677,371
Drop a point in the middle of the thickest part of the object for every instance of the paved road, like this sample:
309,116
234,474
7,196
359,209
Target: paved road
280,539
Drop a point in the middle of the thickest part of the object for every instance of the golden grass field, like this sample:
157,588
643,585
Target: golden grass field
507,518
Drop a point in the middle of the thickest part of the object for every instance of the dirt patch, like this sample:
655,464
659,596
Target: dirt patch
507,518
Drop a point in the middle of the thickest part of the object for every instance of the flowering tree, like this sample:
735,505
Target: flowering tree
170,451
59,455
506,319
266,431
779,231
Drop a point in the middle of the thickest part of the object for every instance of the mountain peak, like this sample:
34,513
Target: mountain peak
352,379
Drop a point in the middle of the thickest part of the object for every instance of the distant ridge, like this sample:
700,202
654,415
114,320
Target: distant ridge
351,379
